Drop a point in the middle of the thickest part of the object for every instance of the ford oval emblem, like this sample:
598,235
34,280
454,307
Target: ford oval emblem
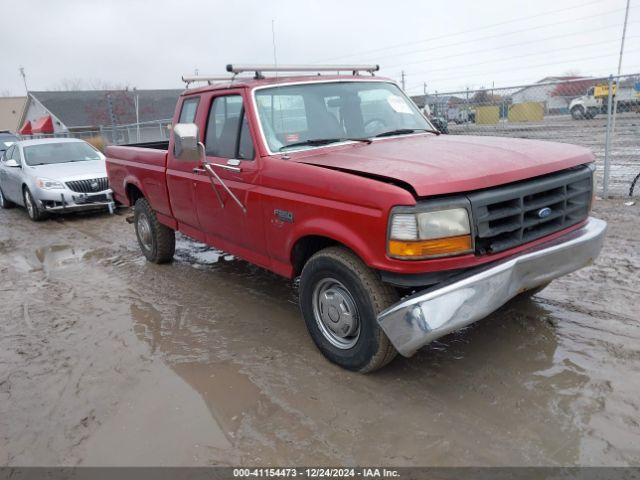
544,212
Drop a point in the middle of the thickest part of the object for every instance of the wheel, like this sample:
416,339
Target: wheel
340,298
157,241
4,203
577,112
33,210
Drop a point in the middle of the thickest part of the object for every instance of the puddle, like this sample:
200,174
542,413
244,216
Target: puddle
198,254
58,256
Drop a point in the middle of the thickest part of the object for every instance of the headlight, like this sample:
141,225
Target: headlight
47,184
429,234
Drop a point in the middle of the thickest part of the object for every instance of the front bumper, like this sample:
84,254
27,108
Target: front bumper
69,201
472,295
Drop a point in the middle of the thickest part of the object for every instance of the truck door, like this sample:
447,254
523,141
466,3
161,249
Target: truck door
181,178
227,200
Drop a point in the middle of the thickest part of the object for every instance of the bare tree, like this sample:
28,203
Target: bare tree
100,84
68,84
74,84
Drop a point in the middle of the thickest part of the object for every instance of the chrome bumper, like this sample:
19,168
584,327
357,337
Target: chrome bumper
433,313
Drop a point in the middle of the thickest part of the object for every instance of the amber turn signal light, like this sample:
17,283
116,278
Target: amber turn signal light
430,248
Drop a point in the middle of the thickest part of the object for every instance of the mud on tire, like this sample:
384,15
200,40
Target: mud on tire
335,282
157,241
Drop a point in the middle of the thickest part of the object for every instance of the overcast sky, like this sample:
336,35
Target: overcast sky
450,45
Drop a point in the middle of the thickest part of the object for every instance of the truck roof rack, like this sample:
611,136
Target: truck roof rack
259,69
207,78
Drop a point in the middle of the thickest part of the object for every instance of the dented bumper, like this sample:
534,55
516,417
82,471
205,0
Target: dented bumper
428,315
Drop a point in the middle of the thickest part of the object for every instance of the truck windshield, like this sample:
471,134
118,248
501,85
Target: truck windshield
303,115
63,152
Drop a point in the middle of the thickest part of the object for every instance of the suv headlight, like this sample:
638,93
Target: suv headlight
47,184
427,234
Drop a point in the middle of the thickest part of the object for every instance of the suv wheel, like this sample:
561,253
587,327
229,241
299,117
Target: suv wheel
33,209
340,298
157,241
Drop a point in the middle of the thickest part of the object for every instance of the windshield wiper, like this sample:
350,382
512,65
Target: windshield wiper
405,131
317,142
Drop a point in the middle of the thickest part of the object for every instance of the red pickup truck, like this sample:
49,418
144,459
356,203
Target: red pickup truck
399,235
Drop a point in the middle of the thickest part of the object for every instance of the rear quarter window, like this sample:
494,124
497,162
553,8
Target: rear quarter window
189,109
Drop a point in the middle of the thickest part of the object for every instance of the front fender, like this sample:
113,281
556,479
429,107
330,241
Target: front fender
347,235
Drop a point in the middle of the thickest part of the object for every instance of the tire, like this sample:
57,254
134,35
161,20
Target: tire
577,112
353,294
33,209
4,203
157,241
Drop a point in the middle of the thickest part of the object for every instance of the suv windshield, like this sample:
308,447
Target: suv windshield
304,115
63,152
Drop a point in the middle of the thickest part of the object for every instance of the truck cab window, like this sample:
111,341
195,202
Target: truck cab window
227,133
189,109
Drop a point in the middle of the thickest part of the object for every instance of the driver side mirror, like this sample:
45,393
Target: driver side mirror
12,163
186,140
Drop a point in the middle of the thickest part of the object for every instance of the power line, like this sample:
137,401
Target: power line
521,56
475,40
529,17
471,75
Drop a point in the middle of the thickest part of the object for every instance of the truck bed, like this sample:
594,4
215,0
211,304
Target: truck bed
142,167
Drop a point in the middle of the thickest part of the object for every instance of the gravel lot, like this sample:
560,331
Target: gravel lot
108,360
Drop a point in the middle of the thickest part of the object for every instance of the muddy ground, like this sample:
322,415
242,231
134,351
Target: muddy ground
108,360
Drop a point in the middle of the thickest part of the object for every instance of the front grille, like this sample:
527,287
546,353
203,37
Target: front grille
513,214
89,186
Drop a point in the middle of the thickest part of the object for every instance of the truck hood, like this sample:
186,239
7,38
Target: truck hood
435,165
70,170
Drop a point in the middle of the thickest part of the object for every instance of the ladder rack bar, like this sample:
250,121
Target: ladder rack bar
258,69
206,78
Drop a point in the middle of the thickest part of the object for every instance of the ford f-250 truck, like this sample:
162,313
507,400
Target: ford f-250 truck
398,235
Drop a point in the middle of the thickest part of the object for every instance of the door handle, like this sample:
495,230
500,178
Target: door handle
231,168
198,171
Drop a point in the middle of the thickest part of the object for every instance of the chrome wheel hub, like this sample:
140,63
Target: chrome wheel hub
144,231
29,204
336,313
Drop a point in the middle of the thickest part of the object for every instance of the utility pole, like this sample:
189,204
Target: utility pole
616,85
402,81
424,88
24,79
137,104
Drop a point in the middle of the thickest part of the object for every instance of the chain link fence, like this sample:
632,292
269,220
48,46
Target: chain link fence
561,109
153,131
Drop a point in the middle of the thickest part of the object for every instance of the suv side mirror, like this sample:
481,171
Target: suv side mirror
12,163
185,142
